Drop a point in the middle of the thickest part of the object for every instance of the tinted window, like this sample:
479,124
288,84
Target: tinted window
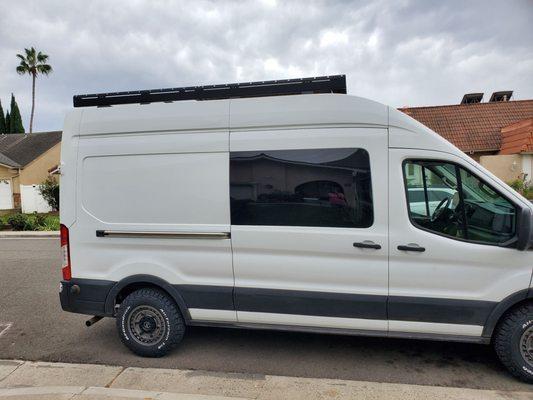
319,187
489,216
447,199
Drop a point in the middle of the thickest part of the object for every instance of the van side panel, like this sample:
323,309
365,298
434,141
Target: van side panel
163,202
317,275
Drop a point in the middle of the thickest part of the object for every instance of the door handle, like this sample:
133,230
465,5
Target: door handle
367,244
412,247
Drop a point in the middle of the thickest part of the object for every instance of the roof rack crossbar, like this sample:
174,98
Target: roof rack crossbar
321,84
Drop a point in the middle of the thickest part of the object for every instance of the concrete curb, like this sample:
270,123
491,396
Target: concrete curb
26,380
81,392
29,234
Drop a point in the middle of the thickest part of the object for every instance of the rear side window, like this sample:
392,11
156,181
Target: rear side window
316,187
447,199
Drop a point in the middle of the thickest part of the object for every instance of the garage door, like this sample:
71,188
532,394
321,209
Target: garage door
6,195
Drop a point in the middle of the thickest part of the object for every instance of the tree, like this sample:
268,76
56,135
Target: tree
33,63
49,189
2,120
8,122
15,124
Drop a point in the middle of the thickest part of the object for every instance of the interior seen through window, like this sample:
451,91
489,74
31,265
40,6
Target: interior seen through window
315,187
447,199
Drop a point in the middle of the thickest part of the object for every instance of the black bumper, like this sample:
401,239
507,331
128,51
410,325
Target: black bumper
85,296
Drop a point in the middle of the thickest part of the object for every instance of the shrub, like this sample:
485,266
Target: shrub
33,222
522,187
49,189
3,220
19,222
50,223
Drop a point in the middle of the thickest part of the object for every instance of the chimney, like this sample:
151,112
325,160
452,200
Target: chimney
501,96
471,98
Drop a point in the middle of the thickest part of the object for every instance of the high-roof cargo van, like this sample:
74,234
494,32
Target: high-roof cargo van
287,205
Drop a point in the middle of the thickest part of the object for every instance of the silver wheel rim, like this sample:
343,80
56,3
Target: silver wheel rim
146,325
526,346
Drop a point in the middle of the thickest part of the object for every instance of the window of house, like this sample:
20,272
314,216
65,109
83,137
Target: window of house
447,199
316,187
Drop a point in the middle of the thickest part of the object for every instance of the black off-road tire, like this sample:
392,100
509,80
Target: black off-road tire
508,341
143,310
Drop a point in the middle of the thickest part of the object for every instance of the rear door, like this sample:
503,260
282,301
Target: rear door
309,227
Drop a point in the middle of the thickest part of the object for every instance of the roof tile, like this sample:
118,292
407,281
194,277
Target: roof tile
472,127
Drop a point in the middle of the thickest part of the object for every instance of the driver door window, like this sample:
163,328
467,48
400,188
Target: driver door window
446,199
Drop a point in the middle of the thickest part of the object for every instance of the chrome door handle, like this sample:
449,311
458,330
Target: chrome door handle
412,247
367,244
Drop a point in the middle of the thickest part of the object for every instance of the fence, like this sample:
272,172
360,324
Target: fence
6,195
32,201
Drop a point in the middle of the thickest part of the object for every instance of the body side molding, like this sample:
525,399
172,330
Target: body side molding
341,331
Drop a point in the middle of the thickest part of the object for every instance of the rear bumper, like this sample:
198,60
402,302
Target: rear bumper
85,296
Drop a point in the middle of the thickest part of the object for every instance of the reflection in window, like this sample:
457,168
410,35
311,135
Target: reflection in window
319,187
447,199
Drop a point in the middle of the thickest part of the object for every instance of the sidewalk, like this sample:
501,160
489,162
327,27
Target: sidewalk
29,234
40,380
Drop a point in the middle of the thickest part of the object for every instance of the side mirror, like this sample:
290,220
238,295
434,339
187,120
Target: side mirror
524,229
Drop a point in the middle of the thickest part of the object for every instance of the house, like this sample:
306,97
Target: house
25,161
496,133
517,148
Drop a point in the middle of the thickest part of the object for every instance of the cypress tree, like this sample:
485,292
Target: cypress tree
8,122
2,120
16,120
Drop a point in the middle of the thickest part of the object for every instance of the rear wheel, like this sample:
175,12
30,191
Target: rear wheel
149,323
513,342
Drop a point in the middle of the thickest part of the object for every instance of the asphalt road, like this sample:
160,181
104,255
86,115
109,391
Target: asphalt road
40,330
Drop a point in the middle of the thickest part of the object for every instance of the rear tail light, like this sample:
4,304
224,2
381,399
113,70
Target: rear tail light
65,252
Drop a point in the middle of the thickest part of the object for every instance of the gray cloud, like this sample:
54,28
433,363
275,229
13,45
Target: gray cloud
397,52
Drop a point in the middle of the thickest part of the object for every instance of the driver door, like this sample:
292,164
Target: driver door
448,263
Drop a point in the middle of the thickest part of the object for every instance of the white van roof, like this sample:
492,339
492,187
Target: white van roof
259,113
247,113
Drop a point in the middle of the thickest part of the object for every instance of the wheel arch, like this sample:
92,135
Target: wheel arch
134,282
503,307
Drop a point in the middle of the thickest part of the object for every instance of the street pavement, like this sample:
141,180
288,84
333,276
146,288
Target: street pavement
33,327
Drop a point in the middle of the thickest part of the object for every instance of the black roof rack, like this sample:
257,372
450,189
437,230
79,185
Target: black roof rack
321,84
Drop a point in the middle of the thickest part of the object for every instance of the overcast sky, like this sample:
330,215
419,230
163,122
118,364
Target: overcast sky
398,52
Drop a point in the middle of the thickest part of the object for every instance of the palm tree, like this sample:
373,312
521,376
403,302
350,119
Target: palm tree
33,63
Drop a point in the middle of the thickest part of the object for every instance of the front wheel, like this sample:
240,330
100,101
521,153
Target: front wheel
149,323
513,342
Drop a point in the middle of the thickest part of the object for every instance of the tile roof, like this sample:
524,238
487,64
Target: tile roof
19,149
518,137
472,127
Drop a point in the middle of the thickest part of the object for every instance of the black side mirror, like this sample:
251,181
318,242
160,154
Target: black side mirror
524,229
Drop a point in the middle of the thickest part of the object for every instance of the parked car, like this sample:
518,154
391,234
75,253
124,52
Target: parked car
287,205
417,199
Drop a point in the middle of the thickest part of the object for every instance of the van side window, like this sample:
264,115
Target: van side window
447,199
316,187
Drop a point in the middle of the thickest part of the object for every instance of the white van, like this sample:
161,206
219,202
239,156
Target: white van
286,205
